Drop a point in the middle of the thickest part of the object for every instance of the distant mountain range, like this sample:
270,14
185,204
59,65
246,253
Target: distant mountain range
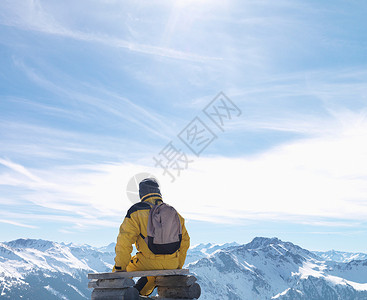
262,269
340,256
273,269
38,269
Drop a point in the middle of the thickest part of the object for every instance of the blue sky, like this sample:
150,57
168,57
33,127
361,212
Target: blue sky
91,92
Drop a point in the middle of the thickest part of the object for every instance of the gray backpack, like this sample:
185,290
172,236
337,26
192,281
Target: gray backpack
164,230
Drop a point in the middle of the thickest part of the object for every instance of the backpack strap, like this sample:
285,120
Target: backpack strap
151,206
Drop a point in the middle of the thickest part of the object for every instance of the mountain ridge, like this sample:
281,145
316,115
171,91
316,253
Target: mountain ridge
264,268
268,268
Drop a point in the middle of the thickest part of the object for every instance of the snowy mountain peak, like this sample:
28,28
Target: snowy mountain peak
31,243
264,269
268,268
200,251
39,269
262,242
108,248
201,246
210,247
340,256
275,246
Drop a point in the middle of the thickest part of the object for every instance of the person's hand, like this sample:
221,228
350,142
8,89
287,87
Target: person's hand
117,270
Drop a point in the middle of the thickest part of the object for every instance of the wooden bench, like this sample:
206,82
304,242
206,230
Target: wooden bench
172,284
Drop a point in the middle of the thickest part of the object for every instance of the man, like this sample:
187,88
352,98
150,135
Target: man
134,230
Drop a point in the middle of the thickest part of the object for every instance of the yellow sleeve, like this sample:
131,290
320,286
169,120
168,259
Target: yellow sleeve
185,244
129,232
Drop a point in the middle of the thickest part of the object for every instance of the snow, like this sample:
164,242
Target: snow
281,294
272,269
56,293
79,292
262,269
54,259
23,257
248,266
335,280
284,293
335,274
282,246
339,256
309,268
358,286
271,245
200,251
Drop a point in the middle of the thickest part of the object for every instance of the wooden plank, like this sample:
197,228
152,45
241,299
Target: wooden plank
190,292
159,298
137,274
175,280
115,294
116,283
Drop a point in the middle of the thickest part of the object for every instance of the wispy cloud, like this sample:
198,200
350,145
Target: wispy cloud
17,224
88,95
20,169
57,146
109,102
32,16
65,221
313,180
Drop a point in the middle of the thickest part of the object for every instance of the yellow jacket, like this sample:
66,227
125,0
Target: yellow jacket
135,225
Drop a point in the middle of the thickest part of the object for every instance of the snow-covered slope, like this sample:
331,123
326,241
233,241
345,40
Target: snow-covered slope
273,269
340,256
200,251
262,269
38,269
